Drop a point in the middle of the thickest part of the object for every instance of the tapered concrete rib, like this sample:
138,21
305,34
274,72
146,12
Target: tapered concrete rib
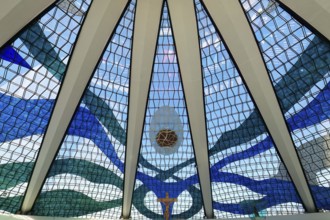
315,12
148,13
231,21
187,45
15,14
98,27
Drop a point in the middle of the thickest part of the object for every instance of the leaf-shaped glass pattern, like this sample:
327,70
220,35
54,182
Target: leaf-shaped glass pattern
86,178
245,166
298,62
166,169
32,68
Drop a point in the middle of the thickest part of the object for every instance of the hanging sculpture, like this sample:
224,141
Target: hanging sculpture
166,130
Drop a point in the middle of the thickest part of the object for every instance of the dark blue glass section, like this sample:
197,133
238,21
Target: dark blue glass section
9,54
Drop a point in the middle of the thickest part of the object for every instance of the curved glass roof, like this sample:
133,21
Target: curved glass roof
236,130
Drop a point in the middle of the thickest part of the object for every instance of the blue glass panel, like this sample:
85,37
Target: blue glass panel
298,62
246,172
27,96
86,178
167,164
9,54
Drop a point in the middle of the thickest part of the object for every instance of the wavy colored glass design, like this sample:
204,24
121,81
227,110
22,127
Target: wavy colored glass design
31,71
298,62
166,102
86,178
232,118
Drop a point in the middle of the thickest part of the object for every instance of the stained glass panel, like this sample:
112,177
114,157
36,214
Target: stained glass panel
86,178
32,68
298,62
245,167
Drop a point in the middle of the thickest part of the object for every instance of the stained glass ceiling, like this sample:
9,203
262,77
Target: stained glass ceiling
154,109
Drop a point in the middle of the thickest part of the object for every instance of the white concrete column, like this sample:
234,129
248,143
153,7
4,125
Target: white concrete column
315,12
146,27
15,14
185,31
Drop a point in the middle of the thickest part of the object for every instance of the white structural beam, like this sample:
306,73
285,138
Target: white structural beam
182,14
229,18
147,19
98,27
15,14
315,12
